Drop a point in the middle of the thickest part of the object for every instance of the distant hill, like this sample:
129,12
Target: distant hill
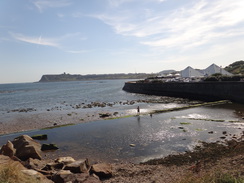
236,67
77,77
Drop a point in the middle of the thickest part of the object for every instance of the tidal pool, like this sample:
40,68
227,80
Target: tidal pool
140,138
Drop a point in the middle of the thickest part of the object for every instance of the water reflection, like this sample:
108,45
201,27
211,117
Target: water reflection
152,136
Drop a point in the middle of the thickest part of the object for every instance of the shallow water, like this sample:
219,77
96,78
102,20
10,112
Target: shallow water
143,137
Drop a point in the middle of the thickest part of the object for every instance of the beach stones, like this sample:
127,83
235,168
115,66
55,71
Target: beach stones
102,170
65,160
79,166
66,176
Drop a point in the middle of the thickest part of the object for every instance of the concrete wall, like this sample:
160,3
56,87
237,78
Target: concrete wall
208,91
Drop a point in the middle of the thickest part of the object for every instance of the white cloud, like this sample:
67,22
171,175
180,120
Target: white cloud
77,51
35,40
44,4
191,25
64,42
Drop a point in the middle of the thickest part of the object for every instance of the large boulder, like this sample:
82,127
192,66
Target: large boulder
27,148
8,149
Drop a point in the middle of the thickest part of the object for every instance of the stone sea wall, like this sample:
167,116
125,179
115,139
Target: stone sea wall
208,91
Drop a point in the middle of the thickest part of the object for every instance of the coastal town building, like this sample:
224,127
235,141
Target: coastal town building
213,69
189,72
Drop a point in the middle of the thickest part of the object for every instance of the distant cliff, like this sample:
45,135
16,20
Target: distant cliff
77,77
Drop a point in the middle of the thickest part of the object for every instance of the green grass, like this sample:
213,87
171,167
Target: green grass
128,116
185,123
58,126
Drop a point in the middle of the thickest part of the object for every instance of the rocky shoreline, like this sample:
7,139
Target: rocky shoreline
26,152
24,119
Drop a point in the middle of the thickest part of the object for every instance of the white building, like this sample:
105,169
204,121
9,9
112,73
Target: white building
190,72
213,69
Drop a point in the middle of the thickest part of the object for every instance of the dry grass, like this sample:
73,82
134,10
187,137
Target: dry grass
10,173
213,177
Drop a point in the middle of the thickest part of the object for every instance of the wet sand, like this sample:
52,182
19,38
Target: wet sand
29,119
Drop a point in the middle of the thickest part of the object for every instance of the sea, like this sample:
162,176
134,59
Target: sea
134,138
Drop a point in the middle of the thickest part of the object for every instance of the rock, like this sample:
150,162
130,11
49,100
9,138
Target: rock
115,113
36,175
46,147
104,115
80,166
35,164
102,170
224,132
53,166
132,145
40,137
211,132
27,148
65,160
8,149
63,177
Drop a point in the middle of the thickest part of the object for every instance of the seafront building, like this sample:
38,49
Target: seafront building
190,75
189,72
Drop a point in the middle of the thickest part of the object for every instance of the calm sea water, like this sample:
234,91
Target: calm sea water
133,139
45,95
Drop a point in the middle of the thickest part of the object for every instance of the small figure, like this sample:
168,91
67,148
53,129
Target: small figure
138,110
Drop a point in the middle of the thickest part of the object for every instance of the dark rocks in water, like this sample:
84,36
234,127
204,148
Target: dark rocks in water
46,147
40,137
211,132
23,110
115,113
224,132
104,115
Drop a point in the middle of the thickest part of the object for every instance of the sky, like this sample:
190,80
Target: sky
40,37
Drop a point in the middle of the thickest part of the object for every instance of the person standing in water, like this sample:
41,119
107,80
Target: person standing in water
138,110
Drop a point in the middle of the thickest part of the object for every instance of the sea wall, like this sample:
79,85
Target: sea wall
208,91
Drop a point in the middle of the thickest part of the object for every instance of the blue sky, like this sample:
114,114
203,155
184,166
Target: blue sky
116,36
